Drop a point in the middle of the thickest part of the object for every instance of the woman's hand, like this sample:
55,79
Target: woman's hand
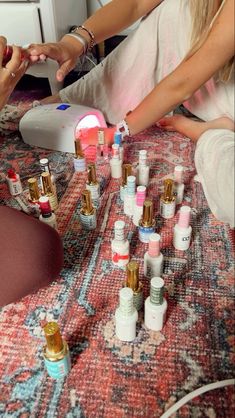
12,72
66,52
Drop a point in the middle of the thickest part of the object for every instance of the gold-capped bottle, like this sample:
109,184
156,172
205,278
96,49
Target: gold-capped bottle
79,161
92,184
34,193
49,190
126,171
167,200
56,352
87,211
132,281
147,222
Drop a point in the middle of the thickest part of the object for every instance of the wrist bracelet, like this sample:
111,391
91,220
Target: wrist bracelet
92,42
81,39
123,128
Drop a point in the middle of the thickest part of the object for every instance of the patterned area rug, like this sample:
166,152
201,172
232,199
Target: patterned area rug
110,378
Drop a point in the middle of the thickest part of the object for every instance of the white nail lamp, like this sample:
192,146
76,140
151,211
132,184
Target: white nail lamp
54,126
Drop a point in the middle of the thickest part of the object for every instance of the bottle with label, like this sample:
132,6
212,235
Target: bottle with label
92,184
153,258
126,171
56,352
45,168
102,148
118,140
87,212
182,230
129,196
47,216
126,316
116,163
49,190
132,281
139,204
14,183
142,169
167,200
34,193
120,246
155,305
147,223
79,161
178,184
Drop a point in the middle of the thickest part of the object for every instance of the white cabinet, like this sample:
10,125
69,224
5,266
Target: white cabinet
38,21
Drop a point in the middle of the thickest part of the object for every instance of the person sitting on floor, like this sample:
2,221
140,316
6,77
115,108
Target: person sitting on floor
31,253
181,52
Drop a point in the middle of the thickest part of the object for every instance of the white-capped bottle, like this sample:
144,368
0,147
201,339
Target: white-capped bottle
167,200
182,230
116,163
126,316
139,204
132,281
147,222
47,216
153,258
178,184
155,306
92,184
120,245
45,167
129,196
126,171
79,160
14,183
102,147
118,140
87,212
142,174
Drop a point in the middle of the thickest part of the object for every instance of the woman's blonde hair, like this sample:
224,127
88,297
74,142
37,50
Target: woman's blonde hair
204,13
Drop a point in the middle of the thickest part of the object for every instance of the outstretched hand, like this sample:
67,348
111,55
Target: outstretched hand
66,52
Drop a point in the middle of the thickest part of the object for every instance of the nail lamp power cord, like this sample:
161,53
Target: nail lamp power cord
211,386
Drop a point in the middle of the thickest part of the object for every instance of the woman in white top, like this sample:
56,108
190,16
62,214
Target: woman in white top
181,52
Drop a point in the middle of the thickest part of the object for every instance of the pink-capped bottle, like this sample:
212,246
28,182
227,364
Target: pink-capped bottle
182,230
139,204
153,258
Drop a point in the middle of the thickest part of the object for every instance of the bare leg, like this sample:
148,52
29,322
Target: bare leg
194,129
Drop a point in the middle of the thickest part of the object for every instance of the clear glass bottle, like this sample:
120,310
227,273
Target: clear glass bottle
120,245
167,200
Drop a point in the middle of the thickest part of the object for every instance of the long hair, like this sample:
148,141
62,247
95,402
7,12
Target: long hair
204,14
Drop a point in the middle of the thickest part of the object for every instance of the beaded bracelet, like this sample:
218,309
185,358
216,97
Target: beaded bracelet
90,33
123,128
81,39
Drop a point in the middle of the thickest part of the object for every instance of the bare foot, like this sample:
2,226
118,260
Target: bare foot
194,129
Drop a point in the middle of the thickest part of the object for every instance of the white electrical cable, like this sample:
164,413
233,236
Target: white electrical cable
197,392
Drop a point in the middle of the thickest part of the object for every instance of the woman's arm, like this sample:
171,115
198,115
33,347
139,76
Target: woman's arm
106,22
190,75
11,73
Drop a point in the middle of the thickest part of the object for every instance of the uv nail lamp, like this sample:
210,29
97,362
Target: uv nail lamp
54,126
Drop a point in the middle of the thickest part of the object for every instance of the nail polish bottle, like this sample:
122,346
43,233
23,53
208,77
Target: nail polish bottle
118,140
49,190
139,204
102,147
34,193
153,258
126,316
178,184
182,230
92,184
56,352
142,169
133,282
120,246
47,216
147,223
167,200
14,183
87,212
155,306
45,167
79,161
126,171
116,163
129,197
